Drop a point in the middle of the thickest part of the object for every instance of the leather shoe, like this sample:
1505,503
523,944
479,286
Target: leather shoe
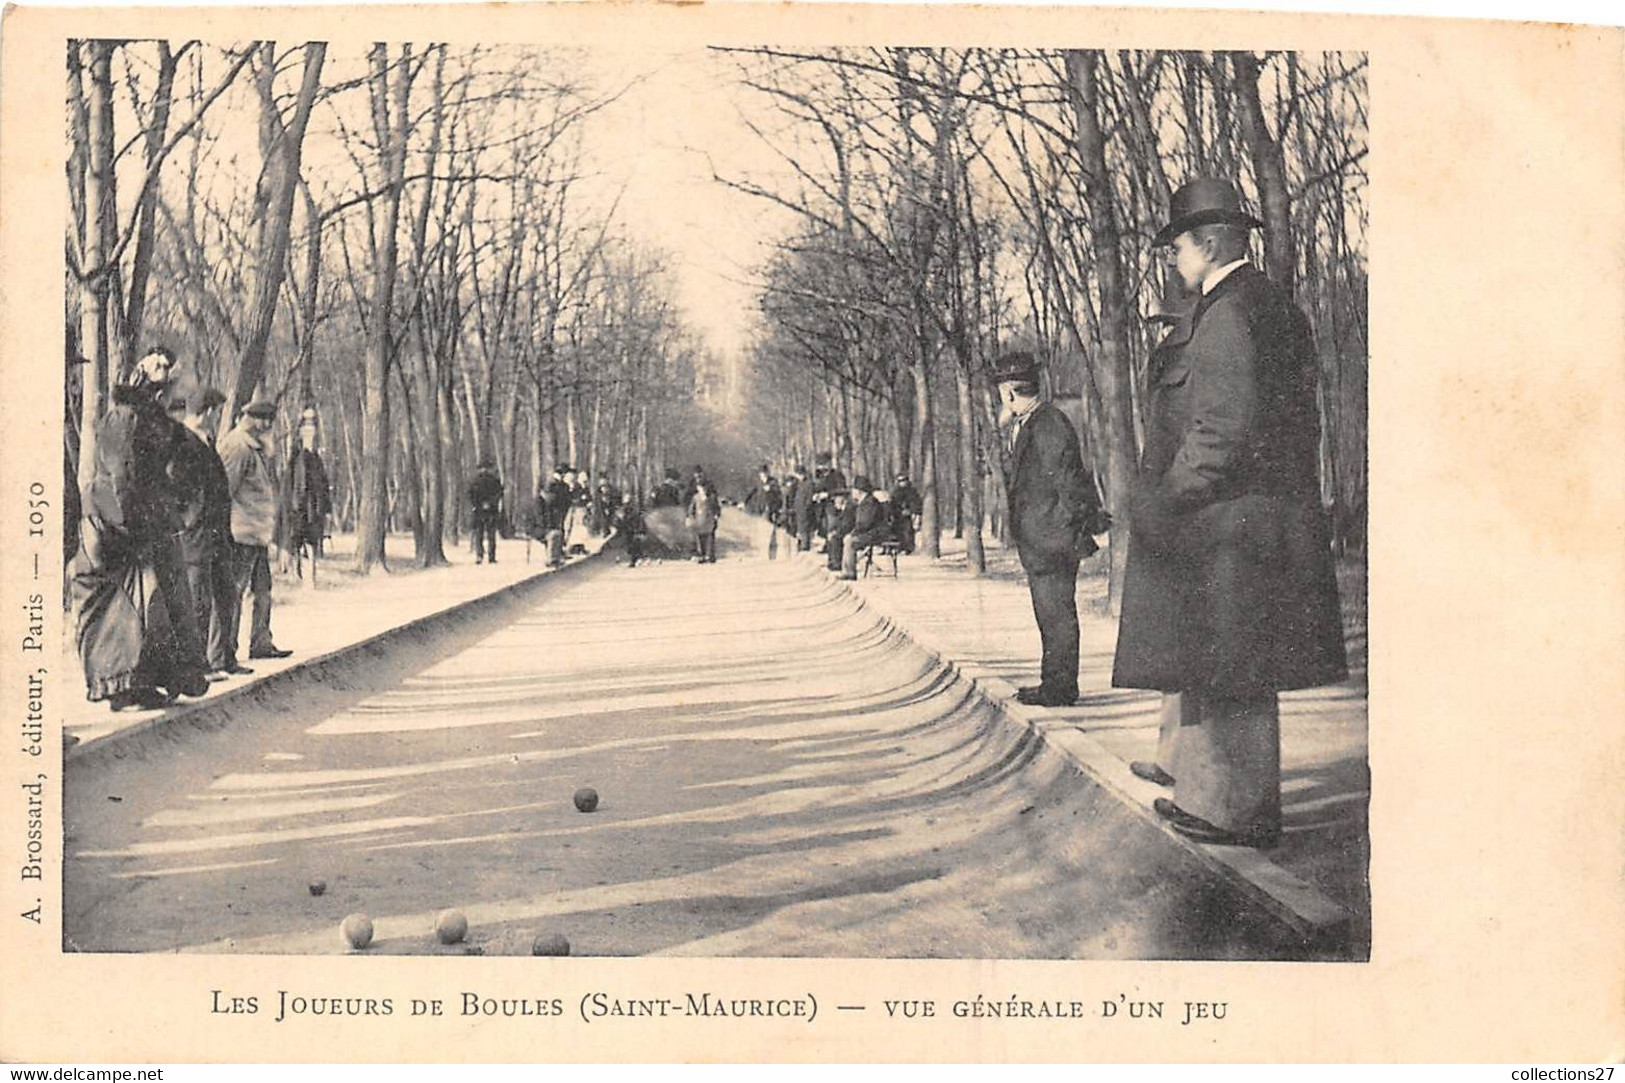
1151,772
269,652
236,669
194,685
1200,830
142,699
1039,696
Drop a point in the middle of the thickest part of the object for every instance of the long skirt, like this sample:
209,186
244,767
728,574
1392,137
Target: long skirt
136,626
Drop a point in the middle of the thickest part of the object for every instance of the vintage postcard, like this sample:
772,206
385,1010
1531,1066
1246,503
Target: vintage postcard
768,533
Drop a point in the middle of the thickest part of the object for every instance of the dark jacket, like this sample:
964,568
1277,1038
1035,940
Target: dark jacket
668,494
558,495
204,497
485,494
130,493
1230,588
906,500
309,497
629,521
1053,504
806,489
870,524
842,520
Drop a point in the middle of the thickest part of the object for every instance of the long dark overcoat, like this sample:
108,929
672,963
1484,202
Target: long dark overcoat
1230,589
132,519
1053,503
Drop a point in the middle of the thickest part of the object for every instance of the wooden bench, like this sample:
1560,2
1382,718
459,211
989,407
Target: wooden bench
888,550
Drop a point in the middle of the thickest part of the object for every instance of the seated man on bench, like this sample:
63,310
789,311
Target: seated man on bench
870,526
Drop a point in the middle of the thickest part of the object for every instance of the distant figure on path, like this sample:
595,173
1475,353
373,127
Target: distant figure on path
669,493
485,504
704,511
629,525
309,496
906,507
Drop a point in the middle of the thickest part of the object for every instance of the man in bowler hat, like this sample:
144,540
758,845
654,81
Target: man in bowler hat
1053,513
1229,596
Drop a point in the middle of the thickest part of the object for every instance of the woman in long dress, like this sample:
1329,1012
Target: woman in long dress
137,632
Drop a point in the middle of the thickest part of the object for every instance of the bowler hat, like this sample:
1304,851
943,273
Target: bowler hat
261,408
861,483
1015,366
1204,201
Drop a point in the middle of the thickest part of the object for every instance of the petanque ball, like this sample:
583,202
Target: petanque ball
586,799
318,887
357,929
451,927
551,944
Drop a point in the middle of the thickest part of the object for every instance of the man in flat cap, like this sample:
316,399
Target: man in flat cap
1229,596
1053,513
246,453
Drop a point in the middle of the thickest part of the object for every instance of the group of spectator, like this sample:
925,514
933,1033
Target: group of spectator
848,517
567,503
701,505
175,531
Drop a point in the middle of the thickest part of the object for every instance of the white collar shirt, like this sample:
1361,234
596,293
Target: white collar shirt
1212,281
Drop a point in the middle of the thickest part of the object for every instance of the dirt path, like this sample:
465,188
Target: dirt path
780,774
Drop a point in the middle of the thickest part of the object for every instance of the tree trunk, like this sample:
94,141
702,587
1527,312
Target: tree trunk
1269,167
146,211
925,455
270,259
391,132
101,200
1112,364
307,299
970,471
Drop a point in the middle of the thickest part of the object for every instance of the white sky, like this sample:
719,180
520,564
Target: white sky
661,140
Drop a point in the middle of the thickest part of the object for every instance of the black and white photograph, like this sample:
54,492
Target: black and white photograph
911,506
